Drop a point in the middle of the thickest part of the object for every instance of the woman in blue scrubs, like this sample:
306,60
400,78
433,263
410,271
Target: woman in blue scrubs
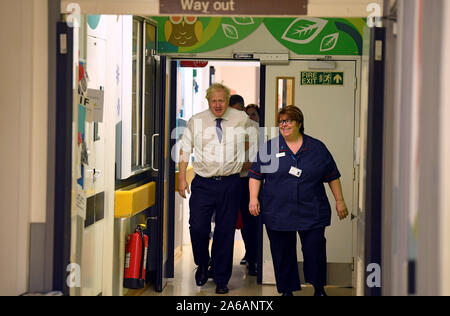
294,168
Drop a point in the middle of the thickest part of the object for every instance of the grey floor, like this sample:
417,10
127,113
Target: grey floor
240,284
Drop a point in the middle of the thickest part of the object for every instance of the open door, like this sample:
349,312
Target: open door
163,235
325,91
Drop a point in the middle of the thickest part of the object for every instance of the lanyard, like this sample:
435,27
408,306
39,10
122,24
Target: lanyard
293,157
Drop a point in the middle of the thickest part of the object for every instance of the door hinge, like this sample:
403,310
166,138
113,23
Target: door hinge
356,83
353,264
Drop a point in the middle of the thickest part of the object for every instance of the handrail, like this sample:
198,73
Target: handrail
134,201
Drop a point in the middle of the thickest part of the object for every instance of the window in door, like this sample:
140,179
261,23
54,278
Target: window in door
285,92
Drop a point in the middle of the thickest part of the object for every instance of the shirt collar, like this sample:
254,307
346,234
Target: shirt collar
225,116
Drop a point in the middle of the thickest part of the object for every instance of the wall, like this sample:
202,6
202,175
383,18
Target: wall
22,136
445,157
428,167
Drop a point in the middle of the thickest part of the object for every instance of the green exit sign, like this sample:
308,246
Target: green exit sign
315,78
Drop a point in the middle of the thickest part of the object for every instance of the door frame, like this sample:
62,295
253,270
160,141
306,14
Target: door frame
161,265
63,159
373,203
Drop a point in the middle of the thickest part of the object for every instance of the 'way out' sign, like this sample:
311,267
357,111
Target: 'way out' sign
315,78
233,7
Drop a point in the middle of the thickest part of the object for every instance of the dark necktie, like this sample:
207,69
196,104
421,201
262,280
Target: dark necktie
219,129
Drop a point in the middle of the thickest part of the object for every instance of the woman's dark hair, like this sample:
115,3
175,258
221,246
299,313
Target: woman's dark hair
293,113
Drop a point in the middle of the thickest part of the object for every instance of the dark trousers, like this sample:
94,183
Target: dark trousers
250,228
283,246
209,195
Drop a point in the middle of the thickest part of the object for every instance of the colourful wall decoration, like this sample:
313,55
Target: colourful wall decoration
202,34
316,36
303,36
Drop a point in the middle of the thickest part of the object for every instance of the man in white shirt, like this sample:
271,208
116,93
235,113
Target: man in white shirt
217,138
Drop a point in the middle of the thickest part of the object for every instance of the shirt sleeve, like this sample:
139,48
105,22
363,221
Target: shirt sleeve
253,138
331,172
187,143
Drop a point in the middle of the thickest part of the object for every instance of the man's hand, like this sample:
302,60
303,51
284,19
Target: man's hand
183,186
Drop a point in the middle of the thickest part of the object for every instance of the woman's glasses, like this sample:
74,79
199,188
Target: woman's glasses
281,122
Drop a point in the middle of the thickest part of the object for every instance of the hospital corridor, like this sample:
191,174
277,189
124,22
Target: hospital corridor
225,150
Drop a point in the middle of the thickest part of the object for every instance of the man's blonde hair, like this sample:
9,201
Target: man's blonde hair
218,86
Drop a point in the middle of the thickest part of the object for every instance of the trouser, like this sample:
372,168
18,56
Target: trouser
283,246
250,227
209,195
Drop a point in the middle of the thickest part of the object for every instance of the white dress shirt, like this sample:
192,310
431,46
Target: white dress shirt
211,157
252,152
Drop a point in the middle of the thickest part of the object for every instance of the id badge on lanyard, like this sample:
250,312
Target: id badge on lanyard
294,170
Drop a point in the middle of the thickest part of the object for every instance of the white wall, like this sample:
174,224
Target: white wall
40,109
445,157
23,127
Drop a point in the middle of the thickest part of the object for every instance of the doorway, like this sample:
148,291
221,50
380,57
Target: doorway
193,78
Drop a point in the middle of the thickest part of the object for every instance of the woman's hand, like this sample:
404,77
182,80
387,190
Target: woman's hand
341,209
253,207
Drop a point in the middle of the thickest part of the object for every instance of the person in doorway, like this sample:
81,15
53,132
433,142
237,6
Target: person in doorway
249,227
237,102
218,158
294,200
253,112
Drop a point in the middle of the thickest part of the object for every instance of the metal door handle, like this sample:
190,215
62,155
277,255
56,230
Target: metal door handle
153,152
144,151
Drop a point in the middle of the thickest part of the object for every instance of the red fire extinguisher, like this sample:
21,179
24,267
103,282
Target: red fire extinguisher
136,259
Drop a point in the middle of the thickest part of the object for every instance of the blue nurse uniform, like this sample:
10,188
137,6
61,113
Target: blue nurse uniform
294,200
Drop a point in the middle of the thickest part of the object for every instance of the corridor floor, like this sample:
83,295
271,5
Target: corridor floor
241,284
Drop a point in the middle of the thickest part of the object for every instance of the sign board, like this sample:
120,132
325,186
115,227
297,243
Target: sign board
315,78
234,7
193,63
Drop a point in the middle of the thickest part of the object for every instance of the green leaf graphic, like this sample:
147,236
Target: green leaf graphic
230,31
304,30
329,42
243,20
